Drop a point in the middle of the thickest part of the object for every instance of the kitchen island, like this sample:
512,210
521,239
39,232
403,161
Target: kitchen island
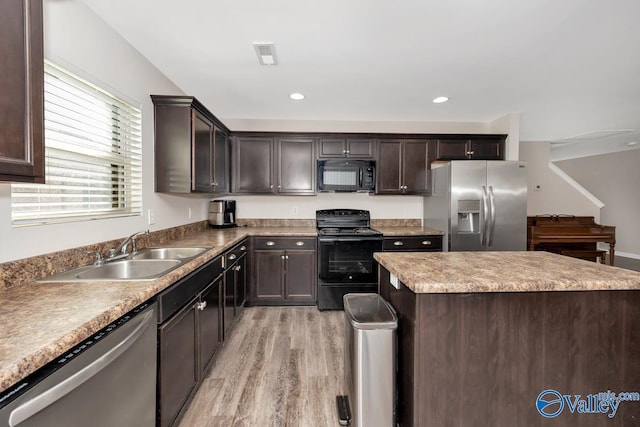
513,339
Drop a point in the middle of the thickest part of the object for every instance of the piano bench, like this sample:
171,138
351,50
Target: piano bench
588,255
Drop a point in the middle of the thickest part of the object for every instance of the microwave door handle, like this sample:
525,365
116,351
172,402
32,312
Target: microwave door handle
360,186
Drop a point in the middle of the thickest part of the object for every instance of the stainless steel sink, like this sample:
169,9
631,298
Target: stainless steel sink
129,269
147,264
168,253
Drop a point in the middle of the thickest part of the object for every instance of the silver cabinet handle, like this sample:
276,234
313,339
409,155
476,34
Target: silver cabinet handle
398,243
243,248
201,305
299,243
57,392
271,186
348,152
282,256
270,243
232,256
426,242
469,153
279,186
286,257
344,151
238,268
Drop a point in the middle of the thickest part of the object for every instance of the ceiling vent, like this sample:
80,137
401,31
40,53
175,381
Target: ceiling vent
266,53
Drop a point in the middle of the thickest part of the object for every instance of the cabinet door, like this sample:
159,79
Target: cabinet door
415,167
300,275
389,175
222,158
240,272
487,149
209,322
361,148
203,162
177,370
22,92
452,149
268,275
253,161
229,299
296,166
332,147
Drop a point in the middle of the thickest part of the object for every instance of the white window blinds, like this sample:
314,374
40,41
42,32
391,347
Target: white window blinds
93,159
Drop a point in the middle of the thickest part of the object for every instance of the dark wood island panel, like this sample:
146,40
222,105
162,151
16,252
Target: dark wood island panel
482,359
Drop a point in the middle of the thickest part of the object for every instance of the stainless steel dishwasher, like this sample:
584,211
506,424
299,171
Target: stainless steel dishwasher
107,380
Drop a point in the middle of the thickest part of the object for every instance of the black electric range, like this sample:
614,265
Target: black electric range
346,244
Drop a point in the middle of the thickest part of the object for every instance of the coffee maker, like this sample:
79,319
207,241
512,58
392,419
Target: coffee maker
222,213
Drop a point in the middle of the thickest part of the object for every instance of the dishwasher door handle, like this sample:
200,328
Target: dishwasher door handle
57,392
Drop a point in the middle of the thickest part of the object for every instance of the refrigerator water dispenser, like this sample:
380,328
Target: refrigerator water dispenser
469,216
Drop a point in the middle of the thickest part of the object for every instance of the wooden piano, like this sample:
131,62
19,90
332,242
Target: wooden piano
575,236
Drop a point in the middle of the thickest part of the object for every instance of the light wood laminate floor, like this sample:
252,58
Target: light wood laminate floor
280,366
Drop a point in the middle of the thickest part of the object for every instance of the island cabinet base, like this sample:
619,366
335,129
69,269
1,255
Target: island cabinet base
485,359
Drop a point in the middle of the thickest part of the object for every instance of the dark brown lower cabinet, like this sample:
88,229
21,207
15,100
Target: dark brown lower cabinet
177,371
485,359
189,334
235,283
284,271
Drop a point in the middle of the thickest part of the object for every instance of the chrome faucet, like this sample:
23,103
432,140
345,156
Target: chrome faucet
121,250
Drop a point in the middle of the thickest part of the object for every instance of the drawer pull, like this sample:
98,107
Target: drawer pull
232,256
270,243
201,305
398,243
238,268
243,248
426,242
299,243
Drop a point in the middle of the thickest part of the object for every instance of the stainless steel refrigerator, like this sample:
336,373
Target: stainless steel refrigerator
482,205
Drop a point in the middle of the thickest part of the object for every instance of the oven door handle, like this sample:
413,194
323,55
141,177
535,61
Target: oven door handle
348,239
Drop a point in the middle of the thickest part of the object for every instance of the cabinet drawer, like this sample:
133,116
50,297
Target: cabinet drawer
412,243
284,243
233,254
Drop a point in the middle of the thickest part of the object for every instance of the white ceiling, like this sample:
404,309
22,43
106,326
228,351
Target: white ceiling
569,67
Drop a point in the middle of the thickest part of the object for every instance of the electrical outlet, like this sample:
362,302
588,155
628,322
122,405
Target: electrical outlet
151,216
190,213
294,210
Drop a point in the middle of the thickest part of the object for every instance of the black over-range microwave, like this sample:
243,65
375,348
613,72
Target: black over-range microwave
347,175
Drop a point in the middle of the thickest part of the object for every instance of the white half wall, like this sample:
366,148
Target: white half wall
548,192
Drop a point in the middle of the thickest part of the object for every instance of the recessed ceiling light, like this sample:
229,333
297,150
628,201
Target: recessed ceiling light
440,100
296,96
632,144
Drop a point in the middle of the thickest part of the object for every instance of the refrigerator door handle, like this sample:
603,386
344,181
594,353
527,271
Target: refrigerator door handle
492,217
485,217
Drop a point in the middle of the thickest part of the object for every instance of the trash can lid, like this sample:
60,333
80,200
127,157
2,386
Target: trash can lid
369,311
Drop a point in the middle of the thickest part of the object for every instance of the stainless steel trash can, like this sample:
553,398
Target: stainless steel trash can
370,359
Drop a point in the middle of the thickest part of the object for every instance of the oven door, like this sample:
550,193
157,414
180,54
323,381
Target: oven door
348,259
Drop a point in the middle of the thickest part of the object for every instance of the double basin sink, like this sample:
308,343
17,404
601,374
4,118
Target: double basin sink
146,264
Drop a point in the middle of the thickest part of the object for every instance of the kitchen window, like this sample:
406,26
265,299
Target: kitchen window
93,156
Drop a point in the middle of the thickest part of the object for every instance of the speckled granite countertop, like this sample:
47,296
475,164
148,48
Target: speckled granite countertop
465,272
408,231
40,321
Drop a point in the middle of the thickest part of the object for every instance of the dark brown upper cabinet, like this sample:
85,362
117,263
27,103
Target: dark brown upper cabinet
274,165
403,167
191,147
474,148
21,92
361,148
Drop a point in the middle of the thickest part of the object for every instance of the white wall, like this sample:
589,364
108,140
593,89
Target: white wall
405,207
614,178
80,41
555,196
